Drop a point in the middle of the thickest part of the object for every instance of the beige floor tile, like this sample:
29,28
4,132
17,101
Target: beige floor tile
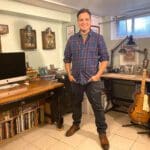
128,132
125,119
30,147
54,132
143,138
59,135
49,137
18,144
115,115
32,135
44,142
140,146
120,143
86,118
88,124
89,144
89,127
113,127
74,140
61,146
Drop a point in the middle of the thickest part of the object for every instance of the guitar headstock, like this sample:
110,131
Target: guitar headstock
145,63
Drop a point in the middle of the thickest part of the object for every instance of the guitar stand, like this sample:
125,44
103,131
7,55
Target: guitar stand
141,126
144,132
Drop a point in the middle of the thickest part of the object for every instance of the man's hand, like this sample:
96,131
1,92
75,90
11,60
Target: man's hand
97,76
94,78
71,78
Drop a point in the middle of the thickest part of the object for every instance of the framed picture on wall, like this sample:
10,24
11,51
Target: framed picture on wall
70,31
3,29
28,38
48,39
95,28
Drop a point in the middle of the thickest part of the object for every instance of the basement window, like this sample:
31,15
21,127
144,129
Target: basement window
136,26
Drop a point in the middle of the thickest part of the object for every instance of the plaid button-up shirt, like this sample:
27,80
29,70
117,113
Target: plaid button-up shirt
85,56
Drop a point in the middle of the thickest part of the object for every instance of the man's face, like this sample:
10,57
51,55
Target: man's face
84,22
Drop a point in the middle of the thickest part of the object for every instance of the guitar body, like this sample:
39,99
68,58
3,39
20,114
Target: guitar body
136,112
139,111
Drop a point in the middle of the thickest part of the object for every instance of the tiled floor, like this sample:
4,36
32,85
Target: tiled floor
49,137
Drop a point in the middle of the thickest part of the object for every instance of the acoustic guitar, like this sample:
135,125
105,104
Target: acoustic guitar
137,111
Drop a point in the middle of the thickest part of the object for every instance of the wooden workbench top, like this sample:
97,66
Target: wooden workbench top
124,76
23,91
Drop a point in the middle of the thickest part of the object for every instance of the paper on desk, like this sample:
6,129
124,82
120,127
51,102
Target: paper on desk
146,104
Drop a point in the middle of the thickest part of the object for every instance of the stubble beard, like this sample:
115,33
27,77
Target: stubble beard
84,31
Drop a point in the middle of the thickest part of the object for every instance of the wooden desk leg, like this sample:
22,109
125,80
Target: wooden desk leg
60,117
56,108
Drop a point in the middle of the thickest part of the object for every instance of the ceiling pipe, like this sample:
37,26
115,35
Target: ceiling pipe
116,18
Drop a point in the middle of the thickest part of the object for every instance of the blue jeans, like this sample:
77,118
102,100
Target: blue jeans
93,92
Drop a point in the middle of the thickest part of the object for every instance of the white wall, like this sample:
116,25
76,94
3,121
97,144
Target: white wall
96,20
21,9
39,21
39,57
141,42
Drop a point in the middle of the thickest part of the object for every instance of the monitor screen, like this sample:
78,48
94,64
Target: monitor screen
12,67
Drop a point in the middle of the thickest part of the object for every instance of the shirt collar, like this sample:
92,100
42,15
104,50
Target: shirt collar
89,34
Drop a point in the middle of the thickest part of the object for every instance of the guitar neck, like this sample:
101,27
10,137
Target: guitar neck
143,82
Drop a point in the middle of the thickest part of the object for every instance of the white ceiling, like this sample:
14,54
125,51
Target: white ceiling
97,7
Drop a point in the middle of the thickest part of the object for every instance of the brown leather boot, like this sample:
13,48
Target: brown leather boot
104,141
72,130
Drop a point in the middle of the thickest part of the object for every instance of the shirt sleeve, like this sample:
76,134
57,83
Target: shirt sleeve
67,52
102,49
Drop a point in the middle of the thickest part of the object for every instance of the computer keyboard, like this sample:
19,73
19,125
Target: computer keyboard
13,91
9,86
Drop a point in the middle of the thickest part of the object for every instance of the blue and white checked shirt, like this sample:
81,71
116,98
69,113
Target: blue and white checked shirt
85,56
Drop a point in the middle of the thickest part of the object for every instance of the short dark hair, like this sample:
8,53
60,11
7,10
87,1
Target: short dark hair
83,10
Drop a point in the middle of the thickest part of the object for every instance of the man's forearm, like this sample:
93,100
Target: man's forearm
68,68
102,67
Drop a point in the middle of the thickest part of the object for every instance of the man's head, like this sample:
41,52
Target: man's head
84,20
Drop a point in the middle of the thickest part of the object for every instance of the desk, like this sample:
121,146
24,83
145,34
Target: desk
124,77
121,87
35,89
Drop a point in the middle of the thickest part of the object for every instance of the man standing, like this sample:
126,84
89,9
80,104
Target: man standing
85,60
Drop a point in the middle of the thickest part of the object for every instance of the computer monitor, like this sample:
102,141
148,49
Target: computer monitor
12,67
